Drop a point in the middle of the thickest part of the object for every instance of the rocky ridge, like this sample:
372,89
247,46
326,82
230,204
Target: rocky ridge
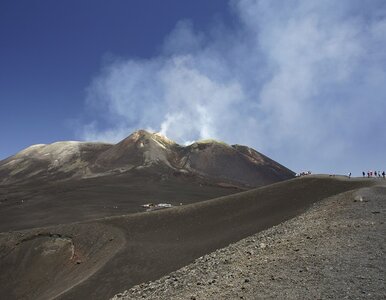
335,250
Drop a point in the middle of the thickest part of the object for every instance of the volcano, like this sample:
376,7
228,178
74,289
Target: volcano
72,213
209,159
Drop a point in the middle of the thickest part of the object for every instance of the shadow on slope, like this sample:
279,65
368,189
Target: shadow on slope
42,264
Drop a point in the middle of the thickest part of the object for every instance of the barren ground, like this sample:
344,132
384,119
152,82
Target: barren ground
336,250
97,259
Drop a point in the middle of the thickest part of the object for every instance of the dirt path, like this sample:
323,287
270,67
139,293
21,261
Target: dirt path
336,250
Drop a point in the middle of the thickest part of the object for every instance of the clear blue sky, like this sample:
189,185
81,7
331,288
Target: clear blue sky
302,81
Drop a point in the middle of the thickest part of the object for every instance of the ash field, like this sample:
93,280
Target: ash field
73,225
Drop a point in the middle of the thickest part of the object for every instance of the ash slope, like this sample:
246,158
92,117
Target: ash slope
234,165
335,250
69,182
78,262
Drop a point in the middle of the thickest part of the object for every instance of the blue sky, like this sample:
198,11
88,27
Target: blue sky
51,50
302,81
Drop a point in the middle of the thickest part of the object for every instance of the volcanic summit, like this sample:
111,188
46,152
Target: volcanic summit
216,161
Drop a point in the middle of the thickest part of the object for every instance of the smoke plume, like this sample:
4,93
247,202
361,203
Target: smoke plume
301,81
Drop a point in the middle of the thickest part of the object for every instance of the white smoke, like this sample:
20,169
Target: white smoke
302,81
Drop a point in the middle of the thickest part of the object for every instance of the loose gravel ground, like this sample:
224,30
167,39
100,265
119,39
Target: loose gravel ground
336,250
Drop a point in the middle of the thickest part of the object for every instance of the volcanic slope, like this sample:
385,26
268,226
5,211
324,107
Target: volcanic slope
67,182
239,165
97,259
335,250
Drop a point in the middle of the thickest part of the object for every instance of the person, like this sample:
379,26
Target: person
349,175
375,173
363,174
383,174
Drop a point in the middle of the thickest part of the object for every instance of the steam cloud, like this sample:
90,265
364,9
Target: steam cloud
301,81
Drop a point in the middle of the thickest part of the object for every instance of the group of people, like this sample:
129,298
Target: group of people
374,174
303,173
